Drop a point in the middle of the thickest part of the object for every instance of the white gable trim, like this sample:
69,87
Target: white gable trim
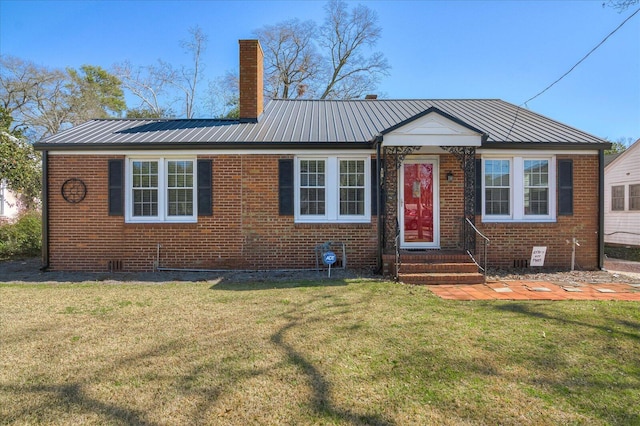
432,129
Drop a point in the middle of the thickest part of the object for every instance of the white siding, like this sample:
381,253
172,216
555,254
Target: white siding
9,208
622,227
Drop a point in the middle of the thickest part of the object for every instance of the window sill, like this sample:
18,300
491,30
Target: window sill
330,222
158,222
524,221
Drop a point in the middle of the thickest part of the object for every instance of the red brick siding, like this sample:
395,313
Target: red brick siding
244,232
514,241
451,202
251,79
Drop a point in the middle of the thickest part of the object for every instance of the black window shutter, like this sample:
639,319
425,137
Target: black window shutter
565,187
478,186
285,187
116,187
205,188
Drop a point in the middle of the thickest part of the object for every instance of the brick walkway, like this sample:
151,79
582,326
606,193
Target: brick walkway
535,290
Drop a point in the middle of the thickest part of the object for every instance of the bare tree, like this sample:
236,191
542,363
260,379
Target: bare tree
332,61
43,101
292,63
150,84
345,35
222,96
35,97
621,5
189,77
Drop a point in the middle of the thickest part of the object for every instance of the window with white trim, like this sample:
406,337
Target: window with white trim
161,190
312,187
617,198
332,189
634,197
536,187
497,184
519,189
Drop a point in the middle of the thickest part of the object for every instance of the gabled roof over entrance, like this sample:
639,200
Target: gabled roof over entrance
325,123
433,128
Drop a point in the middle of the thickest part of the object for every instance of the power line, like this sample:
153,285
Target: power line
571,69
581,60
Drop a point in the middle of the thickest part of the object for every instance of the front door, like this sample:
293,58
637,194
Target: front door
419,208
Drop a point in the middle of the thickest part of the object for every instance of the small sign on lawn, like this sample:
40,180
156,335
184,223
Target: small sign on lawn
537,256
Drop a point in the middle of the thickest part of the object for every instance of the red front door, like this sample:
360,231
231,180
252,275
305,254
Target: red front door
419,206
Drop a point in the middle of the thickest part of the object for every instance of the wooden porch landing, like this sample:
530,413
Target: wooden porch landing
433,267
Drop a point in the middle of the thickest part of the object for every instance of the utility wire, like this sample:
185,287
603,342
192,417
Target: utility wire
572,68
581,60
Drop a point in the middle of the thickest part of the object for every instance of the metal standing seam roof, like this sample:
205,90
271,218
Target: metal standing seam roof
355,122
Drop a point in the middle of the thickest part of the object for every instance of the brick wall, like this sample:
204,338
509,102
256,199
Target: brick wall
514,241
451,203
244,232
251,84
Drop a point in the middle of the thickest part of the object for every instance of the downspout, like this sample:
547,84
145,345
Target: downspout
45,211
380,206
601,208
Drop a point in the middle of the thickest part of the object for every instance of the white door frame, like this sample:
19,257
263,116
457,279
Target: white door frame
435,244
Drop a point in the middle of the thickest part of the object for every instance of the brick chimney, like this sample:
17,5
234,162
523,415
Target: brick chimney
251,80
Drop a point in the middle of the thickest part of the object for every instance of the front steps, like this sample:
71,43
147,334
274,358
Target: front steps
434,268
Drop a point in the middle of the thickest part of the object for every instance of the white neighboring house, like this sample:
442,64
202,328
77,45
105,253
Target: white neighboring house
622,198
9,205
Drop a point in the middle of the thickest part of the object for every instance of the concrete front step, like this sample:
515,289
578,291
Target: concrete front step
441,278
449,267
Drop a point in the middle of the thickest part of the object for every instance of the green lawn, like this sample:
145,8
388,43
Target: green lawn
342,352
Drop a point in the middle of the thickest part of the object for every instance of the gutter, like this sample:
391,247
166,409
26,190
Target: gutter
544,145
201,145
601,209
379,214
45,211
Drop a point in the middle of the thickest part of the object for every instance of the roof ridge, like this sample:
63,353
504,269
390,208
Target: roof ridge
387,99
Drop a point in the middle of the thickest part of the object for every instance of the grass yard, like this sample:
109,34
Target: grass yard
342,352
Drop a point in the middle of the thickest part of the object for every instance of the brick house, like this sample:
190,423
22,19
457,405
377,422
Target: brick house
388,178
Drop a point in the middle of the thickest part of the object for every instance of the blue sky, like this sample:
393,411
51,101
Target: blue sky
438,49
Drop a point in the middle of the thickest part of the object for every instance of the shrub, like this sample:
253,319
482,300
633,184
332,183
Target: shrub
22,238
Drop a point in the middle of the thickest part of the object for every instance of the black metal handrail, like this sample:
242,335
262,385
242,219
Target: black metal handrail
485,243
397,253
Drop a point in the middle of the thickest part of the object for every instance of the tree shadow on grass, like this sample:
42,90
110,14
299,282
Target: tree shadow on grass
319,385
526,309
72,395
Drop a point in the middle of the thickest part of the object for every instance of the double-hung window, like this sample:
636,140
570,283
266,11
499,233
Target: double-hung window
497,184
332,189
518,189
536,187
617,198
634,197
161,190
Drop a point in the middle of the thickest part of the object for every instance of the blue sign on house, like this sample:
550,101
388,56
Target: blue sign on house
329,258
